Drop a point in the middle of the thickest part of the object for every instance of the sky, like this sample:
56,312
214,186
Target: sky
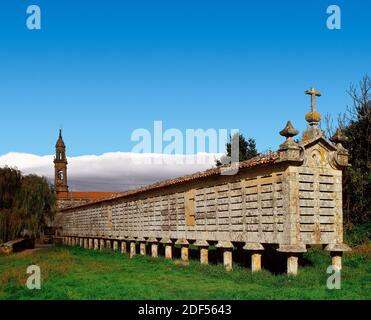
102,69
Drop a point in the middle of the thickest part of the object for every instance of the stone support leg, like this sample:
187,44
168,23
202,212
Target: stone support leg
123,247
143,248
115,245
133,248
227,248
256,264
154,249
292,264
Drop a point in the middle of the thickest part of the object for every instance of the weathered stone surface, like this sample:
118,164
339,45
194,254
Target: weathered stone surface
184,253
133,249
337,247
336,258
115,245
256,262
142,248
224,244
154,249
182,241
123,247
292,265
204,255
227,258
253,246
168,251
292,248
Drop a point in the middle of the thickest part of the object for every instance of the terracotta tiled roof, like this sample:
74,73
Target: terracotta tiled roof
254,162
91,196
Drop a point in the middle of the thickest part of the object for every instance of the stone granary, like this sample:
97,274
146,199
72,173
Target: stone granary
285,200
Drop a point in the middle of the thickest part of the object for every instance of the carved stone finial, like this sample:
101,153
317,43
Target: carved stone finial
289,150
341,155
289,131
339,137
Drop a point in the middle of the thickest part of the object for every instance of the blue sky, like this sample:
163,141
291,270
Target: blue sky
101,69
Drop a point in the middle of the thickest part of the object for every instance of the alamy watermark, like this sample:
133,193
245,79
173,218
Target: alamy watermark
175,142
333,22
33,20
334,280
34,280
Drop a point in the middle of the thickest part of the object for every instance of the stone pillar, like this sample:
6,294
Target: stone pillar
256,264
86,243
101,247
123,246
184,250
96,244
204,251
336,259
154,247
81,242
255,249
115,245
227,248
336,252
91,243
133,247
142,246
108,244
292,264
168,247
292,252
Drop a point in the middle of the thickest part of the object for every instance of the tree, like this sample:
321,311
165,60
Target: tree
247,149
357,178
356,125
26,202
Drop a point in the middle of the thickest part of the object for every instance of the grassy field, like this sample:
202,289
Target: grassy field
75,273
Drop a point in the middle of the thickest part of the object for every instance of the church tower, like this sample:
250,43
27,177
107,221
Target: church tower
60,165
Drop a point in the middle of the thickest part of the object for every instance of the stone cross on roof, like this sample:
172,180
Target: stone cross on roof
313,117
313,94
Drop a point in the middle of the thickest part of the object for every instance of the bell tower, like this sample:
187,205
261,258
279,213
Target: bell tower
60,165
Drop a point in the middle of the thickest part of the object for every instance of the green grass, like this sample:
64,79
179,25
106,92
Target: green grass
75,273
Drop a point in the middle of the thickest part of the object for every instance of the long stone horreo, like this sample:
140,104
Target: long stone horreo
285,200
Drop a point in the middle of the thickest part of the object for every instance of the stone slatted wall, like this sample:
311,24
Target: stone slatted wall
319,194
249,209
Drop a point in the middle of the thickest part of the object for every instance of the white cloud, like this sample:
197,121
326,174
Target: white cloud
116,171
